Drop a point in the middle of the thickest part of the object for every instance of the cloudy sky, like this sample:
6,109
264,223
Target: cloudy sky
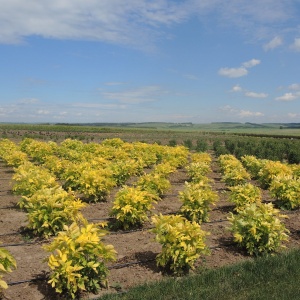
194,61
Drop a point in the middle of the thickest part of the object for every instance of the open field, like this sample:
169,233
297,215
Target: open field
269,129
136,249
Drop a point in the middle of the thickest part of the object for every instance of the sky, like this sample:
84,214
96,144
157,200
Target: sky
199,61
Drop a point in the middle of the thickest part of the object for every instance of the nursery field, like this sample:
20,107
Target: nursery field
134,243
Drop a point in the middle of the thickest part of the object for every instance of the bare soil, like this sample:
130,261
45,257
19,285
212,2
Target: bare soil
136,250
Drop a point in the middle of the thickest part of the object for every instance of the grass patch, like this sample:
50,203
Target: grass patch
271,277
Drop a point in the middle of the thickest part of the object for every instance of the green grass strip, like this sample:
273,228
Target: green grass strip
271,277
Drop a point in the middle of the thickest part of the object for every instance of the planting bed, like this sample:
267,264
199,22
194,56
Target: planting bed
136,249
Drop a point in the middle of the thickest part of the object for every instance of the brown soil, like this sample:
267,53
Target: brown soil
137,246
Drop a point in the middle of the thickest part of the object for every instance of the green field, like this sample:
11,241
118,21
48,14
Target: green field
187,134
292,129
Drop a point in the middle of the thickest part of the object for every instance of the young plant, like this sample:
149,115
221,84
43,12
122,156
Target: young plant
29,178
131,206
176,156
197,170
50,209
154,183
196,202
286,189
228,161
203,157
164,169
258,228
252,165
78,258
146,153
183,242
7,262
11,153
54,164
15,158
233,171
123,170
270,170
244,194
236,177
38,150
296,170
113,142
96,184
71,172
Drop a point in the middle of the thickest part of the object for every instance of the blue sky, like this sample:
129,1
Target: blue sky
197,61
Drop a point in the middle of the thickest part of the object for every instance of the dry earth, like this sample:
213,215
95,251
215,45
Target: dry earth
137,247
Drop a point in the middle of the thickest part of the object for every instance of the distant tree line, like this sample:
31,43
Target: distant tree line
263,148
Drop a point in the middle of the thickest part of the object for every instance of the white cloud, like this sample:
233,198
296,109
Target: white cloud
259,11
251,63
296,45
114,83
9,109
191,77
115,21
133,22
29,101
69,112
247,113
293,115
16,112
294,86
236,88
228,108
256,95
233,72
99,106
288,97
250,94
274,43
239,72
257,20
43,112
241,113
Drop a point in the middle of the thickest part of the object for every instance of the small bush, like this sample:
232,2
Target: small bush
197,201
50,209
172,143
241,195
29,178
286,189
78,258
270,170
258,228
131,206
154,183
182,242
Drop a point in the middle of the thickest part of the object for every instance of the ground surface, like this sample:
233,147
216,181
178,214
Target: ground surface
138,246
